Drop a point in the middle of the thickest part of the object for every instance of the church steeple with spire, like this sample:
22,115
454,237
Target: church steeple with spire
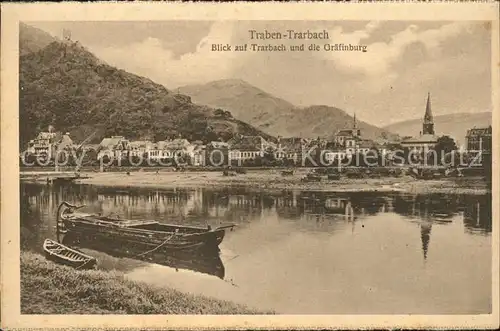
355,131
428,124
427,139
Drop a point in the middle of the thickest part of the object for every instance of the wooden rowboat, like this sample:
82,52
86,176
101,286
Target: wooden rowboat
60,253
150,235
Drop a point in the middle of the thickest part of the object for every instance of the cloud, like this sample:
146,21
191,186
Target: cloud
380,56
150,58
153,59
402,64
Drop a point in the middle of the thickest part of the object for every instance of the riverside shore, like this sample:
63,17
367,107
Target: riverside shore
273,180
49,288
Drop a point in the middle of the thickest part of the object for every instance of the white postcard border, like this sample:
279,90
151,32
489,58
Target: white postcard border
13,13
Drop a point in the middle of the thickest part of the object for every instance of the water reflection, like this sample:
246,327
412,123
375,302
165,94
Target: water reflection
477,216
202,206
475,210
206,264
350,249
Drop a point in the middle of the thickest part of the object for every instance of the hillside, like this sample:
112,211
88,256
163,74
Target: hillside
246,102
271,114
325,121
32,39
454,125
66,86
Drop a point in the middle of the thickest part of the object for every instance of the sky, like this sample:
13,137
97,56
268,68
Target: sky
386,84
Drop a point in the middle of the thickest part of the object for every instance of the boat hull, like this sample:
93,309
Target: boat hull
61,254
207,241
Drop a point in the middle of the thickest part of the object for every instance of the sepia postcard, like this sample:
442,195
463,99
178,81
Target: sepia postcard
250,165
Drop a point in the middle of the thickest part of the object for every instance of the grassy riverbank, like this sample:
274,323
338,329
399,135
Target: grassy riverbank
273,180
48,288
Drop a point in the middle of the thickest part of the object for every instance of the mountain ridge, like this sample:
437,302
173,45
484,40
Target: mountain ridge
275,115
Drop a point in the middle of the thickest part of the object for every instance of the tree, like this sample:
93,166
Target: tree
444,145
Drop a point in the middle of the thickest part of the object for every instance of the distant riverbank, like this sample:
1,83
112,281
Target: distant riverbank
272,179
48,288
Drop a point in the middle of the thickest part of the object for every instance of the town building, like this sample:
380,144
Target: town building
427,138
334,155
116,147
139,148
217,153
170,149
290,148
479,140
348,137
42,144
157,151
198,156
244,148
47,144
178,147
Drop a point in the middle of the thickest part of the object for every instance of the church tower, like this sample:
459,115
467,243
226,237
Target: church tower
355,130
428,124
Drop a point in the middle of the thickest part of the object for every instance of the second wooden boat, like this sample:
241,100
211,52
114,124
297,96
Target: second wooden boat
62,254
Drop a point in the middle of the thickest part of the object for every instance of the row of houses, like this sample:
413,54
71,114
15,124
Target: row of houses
240,148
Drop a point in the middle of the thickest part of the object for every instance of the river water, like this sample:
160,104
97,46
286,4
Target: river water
304,252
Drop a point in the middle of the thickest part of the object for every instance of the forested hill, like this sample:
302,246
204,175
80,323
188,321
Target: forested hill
66,86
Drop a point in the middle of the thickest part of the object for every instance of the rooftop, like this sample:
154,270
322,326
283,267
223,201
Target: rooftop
111,142
425,138
217,145
479,131
46,135
345,132
140,143
291,144
247,143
